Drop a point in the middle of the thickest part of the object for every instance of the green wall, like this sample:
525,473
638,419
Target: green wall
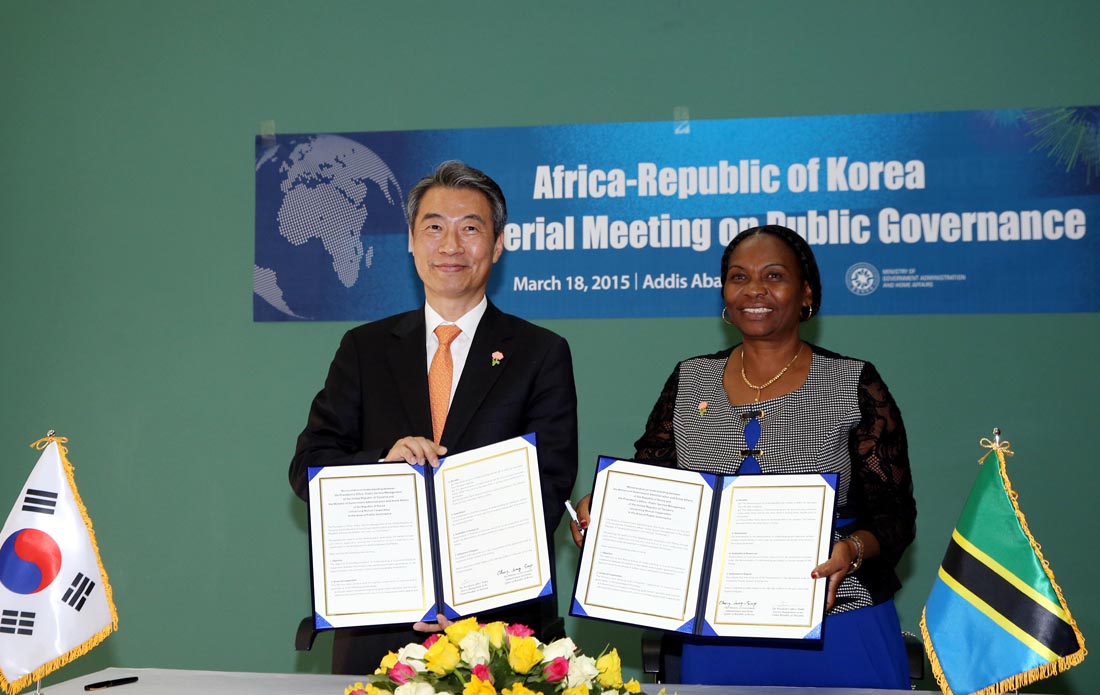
126,239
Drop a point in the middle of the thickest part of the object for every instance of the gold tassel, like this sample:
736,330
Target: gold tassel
51,666
91,537
1065,662
933,660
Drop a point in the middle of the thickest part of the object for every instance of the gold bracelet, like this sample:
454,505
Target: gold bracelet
858,543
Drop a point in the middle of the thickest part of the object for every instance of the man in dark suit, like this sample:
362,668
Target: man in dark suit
508,377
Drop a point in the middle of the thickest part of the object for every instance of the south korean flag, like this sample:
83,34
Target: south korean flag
55,602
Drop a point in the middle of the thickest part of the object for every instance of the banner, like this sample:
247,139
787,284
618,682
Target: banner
55,601
955,212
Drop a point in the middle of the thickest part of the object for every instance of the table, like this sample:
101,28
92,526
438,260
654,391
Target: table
159,681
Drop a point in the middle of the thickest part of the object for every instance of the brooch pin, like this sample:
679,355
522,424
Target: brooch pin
497,357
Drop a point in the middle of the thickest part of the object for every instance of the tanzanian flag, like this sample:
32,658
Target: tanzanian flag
996,620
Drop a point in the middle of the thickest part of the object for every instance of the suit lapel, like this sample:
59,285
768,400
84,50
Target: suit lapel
407,364
478,375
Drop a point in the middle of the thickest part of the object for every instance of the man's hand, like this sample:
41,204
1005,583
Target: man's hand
441,624
416,451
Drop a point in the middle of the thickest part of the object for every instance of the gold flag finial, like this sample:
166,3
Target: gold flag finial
996,444
51,436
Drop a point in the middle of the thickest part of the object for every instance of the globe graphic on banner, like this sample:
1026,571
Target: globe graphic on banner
328,210
29,561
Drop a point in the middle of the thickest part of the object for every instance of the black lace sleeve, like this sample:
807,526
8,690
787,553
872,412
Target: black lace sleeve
658,444
882,480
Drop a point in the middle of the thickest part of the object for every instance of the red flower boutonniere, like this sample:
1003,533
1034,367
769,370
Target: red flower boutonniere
497,357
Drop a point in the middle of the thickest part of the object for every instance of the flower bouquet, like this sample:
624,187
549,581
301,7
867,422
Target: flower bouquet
472,659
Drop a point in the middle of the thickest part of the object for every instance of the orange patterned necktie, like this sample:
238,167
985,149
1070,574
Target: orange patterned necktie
440,375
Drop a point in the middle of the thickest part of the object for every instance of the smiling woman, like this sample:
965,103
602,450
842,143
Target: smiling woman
775,404
766,293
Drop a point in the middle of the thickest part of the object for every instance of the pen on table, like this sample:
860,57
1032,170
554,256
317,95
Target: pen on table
111,683
573,516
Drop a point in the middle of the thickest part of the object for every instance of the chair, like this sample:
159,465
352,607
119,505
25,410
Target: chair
662,651
914,649
304,636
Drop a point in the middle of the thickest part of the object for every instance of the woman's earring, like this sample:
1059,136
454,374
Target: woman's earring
725,319
809,312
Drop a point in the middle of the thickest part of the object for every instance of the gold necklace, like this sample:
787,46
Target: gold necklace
771,381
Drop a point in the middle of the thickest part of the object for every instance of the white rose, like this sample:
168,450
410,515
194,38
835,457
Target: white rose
561,647
475,648
414,688
412,655
582,669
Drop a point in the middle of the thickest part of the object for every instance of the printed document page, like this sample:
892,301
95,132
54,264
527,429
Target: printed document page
643,552
492,545
371,550
772,531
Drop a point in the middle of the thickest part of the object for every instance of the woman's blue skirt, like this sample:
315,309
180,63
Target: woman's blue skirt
863,648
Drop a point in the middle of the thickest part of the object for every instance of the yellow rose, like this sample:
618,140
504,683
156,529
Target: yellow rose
632,686
581,689
611,670
495,632
476,686
523,654
372,689
518,689
458,630
442,657
387,663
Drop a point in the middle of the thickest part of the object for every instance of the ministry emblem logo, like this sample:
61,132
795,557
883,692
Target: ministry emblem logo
862,279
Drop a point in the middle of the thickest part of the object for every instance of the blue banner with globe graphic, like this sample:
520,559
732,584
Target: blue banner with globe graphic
920,213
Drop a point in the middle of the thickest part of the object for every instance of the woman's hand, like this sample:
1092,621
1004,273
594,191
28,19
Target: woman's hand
583,518
835,569
846,553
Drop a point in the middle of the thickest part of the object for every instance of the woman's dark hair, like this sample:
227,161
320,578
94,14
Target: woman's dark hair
806,261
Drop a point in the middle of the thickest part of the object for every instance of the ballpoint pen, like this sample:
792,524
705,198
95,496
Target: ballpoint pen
111,683
573,516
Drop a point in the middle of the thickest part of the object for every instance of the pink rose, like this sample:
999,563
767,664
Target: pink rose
557,669
517,630
432,640
482,672
401,673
